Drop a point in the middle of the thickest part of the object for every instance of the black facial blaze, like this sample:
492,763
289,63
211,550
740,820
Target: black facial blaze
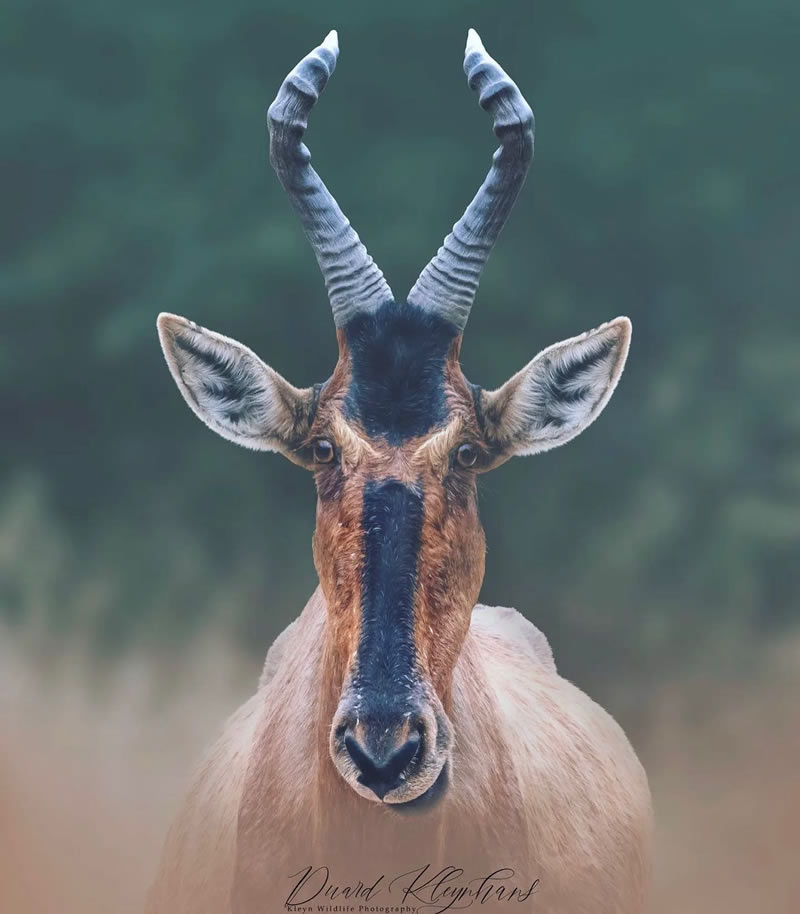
398,358
385,665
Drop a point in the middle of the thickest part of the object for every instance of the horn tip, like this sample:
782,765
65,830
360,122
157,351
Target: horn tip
474,43
331,40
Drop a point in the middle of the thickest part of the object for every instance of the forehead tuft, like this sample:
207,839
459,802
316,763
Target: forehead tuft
398,355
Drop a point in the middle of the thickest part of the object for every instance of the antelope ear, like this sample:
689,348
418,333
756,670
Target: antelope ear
233,391
557,394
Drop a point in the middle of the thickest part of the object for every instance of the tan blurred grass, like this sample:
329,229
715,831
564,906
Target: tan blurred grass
93,761
724,763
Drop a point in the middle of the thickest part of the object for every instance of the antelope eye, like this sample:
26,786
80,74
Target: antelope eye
324,451
466,456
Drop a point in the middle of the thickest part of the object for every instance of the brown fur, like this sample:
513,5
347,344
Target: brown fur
451,561
542,780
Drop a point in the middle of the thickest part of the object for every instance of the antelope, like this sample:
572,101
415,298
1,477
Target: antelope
405,745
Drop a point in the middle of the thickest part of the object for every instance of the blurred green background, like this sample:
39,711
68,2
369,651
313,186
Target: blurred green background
664,187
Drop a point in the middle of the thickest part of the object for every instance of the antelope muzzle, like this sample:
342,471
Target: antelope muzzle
396,752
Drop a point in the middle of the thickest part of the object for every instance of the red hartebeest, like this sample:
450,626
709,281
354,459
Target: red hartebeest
406,746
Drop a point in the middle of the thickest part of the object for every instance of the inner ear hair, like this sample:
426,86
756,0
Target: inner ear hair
558,393
232,391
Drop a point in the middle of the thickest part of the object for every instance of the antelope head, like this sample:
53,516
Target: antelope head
395,439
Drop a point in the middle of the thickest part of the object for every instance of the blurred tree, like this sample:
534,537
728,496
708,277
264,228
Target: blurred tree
665,186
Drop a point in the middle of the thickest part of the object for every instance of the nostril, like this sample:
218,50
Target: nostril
401,758
361,760
382,772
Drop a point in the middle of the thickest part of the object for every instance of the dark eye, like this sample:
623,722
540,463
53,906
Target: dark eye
466,456
324,451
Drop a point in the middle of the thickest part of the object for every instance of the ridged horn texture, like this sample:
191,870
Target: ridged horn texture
449,282
354,282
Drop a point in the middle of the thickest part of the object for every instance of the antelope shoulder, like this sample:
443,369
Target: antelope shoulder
584,792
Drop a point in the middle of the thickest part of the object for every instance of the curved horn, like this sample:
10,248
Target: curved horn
448,283
353,280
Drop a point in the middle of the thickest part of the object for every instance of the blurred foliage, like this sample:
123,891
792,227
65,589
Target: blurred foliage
665,187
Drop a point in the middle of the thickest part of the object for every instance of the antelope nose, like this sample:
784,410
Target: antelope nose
382,771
